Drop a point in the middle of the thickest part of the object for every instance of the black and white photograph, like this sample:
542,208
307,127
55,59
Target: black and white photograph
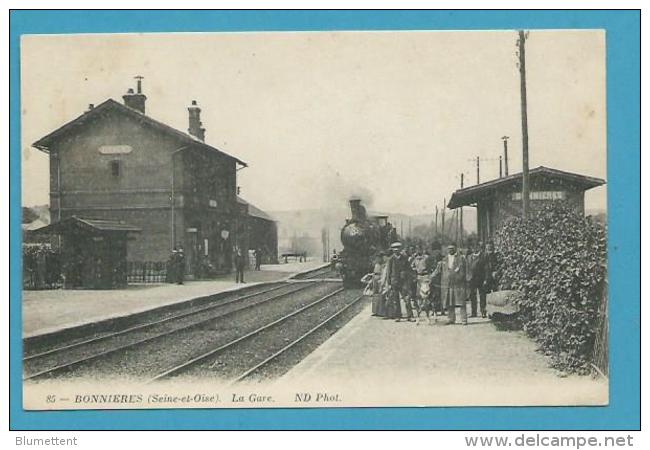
314,219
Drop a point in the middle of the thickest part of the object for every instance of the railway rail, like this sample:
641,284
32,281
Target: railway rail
272,320
247,356
258,368
325,272
68,356
141,326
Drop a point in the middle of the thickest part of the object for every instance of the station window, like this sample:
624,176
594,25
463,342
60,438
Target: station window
116,168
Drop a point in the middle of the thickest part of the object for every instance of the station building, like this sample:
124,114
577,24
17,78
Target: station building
260,231
498,200
115,163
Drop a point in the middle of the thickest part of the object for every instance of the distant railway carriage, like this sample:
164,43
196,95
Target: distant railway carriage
363,237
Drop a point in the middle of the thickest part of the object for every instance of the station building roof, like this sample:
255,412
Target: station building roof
47,141
254,211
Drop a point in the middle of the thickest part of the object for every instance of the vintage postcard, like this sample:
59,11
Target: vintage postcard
314,219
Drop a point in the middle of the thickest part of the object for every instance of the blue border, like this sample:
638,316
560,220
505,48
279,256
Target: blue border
623,112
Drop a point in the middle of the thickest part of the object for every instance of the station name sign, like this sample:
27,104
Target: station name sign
542,195
115,149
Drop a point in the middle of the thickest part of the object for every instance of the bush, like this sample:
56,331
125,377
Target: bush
557,260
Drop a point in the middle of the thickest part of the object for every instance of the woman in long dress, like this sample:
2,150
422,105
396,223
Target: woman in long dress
378,304
381,275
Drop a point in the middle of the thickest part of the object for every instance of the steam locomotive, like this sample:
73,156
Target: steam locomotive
363,238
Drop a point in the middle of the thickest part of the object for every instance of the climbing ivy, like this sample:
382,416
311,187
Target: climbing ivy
557,260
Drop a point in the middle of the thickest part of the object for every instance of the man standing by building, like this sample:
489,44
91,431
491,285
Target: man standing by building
258,259
171,267
180,266
452,271
476,277
491,269
240,264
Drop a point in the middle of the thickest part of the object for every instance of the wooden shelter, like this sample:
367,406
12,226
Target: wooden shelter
498,200
93,251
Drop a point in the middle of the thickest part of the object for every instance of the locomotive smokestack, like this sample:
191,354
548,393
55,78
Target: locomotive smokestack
358,211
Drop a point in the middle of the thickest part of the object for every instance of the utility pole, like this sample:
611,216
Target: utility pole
524,123
505,152
500,166
462,182
478,170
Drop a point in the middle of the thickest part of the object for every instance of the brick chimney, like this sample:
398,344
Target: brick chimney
136,100
195,128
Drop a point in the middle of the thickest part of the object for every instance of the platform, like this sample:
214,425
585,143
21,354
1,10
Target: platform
378,362
47,311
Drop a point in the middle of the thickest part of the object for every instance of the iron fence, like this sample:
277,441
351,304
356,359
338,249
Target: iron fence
146,272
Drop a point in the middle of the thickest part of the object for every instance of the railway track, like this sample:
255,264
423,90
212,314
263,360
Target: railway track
154,320
259,369
250,355
322,272
67,357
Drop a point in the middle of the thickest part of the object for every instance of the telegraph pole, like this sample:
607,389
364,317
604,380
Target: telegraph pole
524,123
500,166
478,170
505,153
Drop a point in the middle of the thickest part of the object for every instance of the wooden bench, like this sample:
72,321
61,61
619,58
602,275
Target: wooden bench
300,257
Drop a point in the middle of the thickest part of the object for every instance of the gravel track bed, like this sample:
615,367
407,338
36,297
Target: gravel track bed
236,360
64,338
286,361
153,357
219,309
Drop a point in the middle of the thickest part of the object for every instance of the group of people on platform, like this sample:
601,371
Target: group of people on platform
408,281
176,264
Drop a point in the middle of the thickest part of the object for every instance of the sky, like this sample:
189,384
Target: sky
393,117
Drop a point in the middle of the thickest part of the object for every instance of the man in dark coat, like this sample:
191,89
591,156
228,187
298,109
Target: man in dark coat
399,283
258,259
476,278
240,264
171,267
180,266
491,283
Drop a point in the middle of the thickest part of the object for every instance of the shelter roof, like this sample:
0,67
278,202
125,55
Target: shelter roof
470,195
96,225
